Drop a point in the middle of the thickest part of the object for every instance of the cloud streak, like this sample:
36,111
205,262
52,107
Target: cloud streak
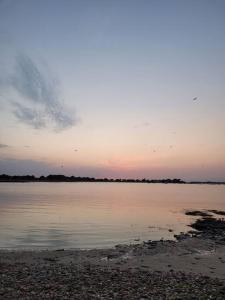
39,105
32,117
3,146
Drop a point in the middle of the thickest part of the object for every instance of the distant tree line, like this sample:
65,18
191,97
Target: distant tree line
63,178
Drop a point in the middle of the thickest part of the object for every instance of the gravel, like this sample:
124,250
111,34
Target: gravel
52,280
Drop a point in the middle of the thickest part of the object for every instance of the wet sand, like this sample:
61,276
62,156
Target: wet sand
192,255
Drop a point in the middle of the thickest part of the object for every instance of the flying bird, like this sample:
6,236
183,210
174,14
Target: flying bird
195,98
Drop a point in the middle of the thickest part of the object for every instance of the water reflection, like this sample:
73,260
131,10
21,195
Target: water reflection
87,215
38,238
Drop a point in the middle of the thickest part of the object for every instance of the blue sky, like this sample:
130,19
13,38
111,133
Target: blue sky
114,80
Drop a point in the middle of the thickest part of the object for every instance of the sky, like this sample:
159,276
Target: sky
118,89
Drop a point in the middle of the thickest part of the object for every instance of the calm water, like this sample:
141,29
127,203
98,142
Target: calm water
88,215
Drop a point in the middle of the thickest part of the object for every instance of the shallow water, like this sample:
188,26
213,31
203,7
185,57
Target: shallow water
97,215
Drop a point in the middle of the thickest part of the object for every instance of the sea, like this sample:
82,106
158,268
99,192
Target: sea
79,215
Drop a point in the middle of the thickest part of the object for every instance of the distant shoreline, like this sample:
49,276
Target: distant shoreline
63,178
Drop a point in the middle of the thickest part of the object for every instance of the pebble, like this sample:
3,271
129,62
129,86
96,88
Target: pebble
47,280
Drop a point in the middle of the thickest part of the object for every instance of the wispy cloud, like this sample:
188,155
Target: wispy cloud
3,146
144,124
39,104
30,116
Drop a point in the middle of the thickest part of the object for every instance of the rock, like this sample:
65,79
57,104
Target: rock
218,212
197,213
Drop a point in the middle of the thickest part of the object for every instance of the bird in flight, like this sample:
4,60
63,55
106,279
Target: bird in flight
195,98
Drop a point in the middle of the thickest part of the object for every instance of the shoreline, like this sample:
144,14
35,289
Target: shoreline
171,269
191,268
195,254
109,181
63,178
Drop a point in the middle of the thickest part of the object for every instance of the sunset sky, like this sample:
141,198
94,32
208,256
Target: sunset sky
113,88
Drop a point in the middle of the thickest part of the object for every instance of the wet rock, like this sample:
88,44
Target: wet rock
209,225
197,213
182,236
217,212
